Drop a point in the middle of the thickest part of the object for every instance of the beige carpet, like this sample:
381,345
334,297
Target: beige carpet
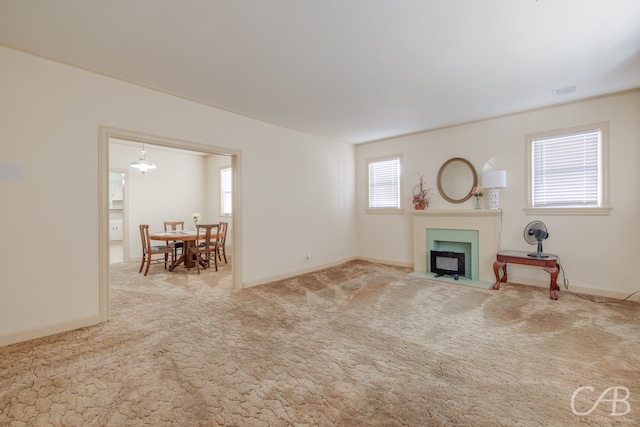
356,345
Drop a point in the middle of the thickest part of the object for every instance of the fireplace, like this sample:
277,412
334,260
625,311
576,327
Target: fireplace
454,241
445,263
449,230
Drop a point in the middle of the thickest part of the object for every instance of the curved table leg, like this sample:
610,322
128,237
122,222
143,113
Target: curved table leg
553,285
496,270
183,255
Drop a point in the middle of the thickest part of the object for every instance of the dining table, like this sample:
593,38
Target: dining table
189,237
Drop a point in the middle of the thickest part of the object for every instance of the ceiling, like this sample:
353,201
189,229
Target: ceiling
353,70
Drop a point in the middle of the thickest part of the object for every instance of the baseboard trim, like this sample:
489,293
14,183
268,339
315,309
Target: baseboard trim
322,267
284,276
387,262
607,293
40,332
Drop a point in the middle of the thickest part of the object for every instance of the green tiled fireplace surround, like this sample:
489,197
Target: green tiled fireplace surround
462,241
486,222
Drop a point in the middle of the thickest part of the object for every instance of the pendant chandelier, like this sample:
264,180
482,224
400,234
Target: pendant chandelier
142,163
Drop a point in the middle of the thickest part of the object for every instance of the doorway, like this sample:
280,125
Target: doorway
167,144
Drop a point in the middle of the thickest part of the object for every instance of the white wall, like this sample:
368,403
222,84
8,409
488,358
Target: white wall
297,189
597,252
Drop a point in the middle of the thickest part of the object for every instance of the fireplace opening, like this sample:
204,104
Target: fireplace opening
447,263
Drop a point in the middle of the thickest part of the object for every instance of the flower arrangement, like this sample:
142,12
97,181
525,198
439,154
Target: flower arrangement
478,192
421,196
196,217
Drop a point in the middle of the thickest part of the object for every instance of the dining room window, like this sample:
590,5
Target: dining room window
225,192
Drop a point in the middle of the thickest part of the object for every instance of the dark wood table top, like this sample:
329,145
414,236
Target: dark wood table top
519,257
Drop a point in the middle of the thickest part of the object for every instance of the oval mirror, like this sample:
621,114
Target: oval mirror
456,180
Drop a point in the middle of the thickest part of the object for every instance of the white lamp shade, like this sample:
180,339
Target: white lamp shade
142,163
494,179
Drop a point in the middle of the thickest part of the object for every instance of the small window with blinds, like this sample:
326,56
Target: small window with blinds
225,192
384,183
566,168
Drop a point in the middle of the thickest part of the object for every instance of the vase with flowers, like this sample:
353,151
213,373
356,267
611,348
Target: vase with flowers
196,217
478,192
421,195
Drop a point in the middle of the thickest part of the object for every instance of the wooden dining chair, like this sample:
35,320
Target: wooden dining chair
206,245
222,239
149,251
173,226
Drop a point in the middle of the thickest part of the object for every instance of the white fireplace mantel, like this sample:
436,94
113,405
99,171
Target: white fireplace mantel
486,221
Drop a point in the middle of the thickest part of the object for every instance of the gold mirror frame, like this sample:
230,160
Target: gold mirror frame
457,174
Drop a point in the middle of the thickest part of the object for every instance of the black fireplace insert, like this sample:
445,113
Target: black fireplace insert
447,263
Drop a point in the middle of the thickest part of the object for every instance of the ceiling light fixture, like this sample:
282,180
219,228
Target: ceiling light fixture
142,163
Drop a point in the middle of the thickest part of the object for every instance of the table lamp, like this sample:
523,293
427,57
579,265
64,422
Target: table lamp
492,181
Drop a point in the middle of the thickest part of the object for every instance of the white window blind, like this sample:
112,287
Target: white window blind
225,191
384,183
566,170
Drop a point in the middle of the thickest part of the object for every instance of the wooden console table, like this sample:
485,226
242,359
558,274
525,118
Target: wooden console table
549,264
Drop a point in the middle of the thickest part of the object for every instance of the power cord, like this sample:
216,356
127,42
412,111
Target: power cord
500,232
565,282
618,301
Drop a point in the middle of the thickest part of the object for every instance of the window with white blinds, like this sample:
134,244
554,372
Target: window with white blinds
567,170
384,183
225,192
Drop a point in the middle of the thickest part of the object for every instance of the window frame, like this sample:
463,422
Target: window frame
394,210
223,192
603,179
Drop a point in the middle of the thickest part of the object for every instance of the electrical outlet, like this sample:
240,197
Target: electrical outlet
308,256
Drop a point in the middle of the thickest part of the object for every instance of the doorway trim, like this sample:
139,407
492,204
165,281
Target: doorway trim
106,133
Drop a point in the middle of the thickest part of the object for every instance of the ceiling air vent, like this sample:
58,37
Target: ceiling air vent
564,90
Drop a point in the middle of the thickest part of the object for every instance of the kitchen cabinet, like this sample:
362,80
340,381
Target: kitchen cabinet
115,193
115,230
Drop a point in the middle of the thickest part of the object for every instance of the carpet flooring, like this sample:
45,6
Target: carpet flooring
360,344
